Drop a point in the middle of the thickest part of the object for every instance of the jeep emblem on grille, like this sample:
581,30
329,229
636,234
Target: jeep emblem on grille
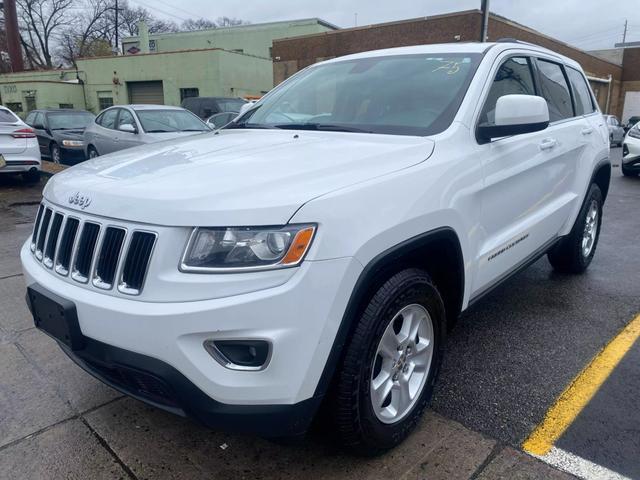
80,200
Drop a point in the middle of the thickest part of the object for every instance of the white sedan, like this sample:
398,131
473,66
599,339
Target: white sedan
19,150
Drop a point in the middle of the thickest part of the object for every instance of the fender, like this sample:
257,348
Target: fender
370,278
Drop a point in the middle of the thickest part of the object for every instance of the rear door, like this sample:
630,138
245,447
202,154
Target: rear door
9,123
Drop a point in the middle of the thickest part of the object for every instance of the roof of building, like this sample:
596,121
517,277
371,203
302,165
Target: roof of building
330,25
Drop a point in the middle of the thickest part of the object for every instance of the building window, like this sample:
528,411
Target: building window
65,105
14,106
188,92
105,100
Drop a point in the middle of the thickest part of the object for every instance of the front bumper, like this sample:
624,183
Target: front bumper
72,155
137,346
631,154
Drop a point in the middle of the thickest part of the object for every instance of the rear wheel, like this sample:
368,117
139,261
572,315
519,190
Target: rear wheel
574,252
55,153
390,365
32,176
93,153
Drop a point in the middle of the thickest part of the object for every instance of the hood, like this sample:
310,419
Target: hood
233,178
75,134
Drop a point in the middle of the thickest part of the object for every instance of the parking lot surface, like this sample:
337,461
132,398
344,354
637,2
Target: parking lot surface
508,359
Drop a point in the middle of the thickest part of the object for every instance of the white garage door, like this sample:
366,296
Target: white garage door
146,92
631,105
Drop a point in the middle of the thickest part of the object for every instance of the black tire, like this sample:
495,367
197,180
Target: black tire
92,152
56,154
568,255
32,176
358,427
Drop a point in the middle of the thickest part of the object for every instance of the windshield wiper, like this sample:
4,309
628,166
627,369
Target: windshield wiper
248,125
193,130
322,127
161,131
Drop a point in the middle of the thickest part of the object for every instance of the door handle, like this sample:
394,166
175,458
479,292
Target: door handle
586,131
548,143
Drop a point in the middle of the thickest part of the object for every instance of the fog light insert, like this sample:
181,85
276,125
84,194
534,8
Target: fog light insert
240,354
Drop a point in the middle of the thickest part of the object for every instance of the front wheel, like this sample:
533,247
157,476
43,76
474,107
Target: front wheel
390,364
93,153
574,252
55,153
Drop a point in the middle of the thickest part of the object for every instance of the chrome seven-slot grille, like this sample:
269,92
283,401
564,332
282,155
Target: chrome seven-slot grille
86,250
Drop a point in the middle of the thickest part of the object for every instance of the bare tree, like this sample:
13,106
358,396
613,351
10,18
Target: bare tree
89,33
198,24
230,22
40,22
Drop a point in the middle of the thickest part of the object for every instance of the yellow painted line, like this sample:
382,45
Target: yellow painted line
576,396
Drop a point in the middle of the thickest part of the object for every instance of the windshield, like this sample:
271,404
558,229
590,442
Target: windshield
160,121
69,120
400,94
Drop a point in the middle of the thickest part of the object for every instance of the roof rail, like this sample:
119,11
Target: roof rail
515,40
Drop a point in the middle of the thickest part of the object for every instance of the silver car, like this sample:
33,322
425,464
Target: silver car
616,131
125,126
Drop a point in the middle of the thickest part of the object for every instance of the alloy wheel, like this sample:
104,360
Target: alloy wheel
402,363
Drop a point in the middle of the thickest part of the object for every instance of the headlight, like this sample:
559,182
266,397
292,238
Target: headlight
634,132
72,143
240,249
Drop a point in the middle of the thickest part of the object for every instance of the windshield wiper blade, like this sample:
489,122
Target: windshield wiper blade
248,125
326,127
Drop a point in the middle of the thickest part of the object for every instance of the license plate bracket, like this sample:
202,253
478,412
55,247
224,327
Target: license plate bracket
56,316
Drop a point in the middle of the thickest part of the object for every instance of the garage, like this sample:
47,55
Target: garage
146,92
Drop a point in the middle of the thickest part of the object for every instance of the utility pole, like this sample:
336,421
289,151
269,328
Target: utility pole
13,35
484,32
117,47
624,35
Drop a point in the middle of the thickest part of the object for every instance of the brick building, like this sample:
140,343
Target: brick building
610,80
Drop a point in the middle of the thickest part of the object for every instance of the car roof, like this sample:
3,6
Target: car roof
143,106
458,47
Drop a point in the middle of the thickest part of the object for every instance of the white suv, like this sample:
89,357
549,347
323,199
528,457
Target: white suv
319,247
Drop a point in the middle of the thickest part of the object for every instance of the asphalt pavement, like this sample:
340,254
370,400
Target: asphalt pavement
507,361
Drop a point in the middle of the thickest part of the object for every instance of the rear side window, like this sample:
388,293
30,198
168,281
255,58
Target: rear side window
584,103
554,89
513,77
7,117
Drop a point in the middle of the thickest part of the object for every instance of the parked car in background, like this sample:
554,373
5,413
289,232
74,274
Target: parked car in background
616,131
634,120
126,126
631,152
19,151
205,107
59,133
219,120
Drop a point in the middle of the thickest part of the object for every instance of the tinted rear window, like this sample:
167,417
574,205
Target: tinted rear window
584,104
554,89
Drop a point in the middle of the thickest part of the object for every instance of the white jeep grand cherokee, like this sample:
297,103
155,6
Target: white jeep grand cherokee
318,249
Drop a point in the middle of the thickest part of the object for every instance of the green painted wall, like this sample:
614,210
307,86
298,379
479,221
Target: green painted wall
252,39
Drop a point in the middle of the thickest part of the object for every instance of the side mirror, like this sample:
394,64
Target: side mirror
127,127
245,107
514,115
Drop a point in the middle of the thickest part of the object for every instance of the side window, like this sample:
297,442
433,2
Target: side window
554,89
38,121
125,117
108,118
513,77
30,118
584,103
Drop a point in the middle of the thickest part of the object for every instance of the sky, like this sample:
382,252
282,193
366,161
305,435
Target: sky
587,24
